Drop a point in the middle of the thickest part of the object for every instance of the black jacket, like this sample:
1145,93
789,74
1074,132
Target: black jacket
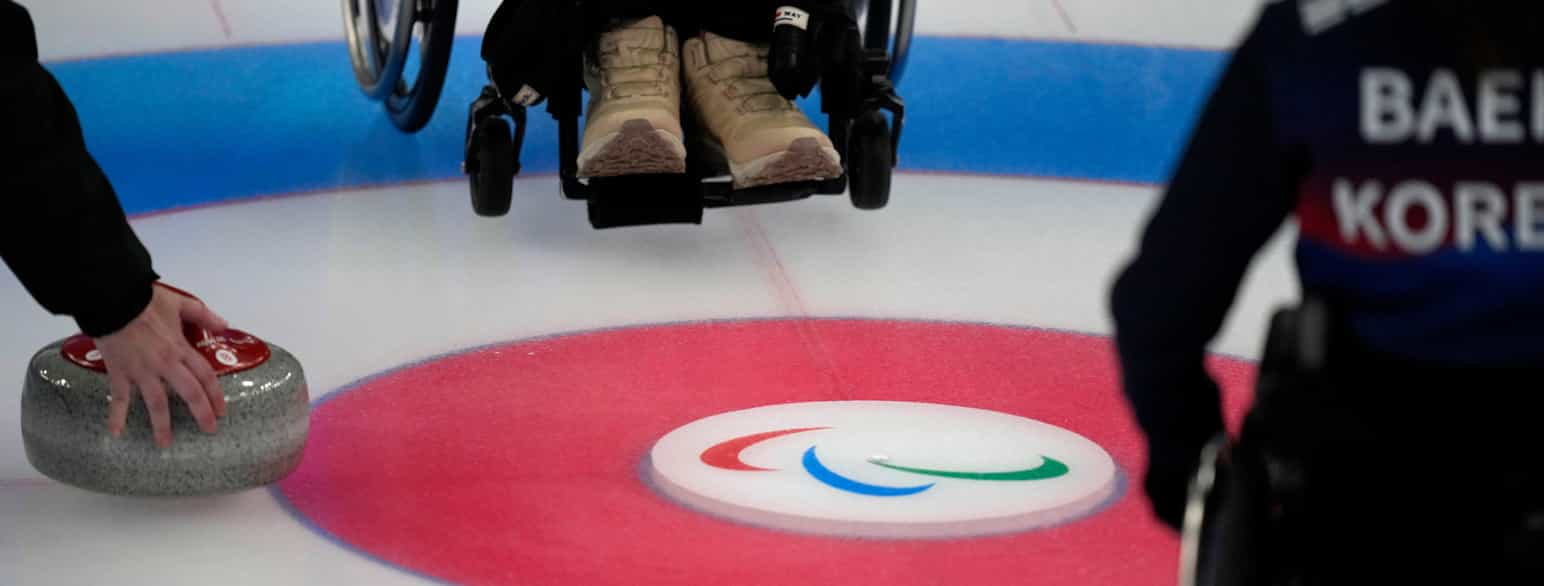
62,230
1285,125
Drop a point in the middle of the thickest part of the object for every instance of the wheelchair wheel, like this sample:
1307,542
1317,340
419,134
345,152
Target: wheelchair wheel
1195,564
377,43
493,182
411,102
1226,523
381,35
870,161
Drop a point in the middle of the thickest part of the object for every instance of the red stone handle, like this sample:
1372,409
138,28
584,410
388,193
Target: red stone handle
228,351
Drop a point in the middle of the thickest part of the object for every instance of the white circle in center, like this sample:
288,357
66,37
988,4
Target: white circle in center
839,479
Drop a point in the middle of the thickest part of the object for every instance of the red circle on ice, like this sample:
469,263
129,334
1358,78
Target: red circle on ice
520,463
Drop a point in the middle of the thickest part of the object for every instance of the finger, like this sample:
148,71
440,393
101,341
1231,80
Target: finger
186,386
207,381
118,407
195,311
153,392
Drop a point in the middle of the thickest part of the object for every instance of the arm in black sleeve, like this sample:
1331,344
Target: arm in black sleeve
1230,193
62,230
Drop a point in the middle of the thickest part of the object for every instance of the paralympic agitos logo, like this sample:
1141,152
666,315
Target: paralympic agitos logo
726,456
844,467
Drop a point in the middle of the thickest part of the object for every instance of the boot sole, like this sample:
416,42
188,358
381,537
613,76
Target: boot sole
804,160
637,149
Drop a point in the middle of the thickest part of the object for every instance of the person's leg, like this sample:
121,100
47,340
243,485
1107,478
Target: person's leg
1433,482
1523,541
1522,482
749,21
604,16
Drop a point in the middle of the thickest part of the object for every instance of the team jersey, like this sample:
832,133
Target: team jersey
1421,204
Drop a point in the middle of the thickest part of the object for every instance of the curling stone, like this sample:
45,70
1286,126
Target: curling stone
259,441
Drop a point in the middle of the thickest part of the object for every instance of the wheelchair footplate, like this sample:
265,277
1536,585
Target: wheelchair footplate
858,70
640,200
492,161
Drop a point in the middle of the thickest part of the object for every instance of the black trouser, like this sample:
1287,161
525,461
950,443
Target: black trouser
1409,473
746,20
527,41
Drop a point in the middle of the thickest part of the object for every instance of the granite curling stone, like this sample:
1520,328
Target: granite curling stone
259,441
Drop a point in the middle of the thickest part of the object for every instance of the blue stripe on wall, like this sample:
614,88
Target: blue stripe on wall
186,128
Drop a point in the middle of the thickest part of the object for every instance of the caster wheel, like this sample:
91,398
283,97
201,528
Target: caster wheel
493,184
870,161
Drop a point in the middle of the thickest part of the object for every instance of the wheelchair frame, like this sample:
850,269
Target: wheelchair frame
1228,518
857,87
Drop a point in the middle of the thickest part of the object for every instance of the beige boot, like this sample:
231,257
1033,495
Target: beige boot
766,138
633,125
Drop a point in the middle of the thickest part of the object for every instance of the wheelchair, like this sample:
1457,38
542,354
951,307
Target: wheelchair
1248,517
1245,493
862,66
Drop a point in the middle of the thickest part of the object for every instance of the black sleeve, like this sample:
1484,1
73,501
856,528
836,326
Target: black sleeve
62,230
1231,191
17,37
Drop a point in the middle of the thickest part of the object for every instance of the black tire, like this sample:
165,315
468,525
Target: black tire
412,102
493,185
870,161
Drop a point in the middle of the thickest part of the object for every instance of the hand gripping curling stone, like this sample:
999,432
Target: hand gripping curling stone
259,441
